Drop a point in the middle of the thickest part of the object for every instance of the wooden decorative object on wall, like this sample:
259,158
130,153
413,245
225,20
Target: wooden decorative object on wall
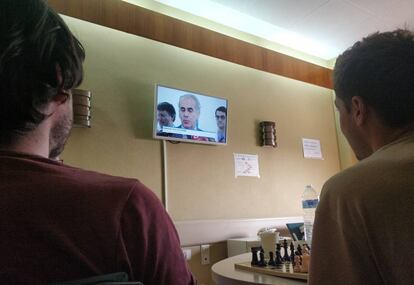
81,100
268,131
142,22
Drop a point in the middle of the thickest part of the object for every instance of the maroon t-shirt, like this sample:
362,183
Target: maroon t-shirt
62,223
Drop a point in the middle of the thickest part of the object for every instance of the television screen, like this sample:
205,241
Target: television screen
189,116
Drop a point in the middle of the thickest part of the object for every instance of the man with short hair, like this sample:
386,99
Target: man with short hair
58,222
364,226
165,117
189,110
221,119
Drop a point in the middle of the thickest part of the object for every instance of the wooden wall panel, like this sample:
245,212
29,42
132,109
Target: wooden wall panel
142,22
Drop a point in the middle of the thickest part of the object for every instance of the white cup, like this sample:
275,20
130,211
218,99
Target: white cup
268,241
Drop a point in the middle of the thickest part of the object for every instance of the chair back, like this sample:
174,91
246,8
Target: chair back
118,278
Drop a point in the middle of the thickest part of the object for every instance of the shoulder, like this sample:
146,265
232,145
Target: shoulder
144,200
119,196
342,180
384,165
363,183
89,177
103,187
128,190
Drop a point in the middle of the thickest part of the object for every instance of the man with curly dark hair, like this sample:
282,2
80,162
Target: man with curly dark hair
364,226
59,222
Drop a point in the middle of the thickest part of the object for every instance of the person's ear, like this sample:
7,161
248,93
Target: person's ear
61,97
62,94
359,110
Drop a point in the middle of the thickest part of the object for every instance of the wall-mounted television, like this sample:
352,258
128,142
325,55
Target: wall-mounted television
189,116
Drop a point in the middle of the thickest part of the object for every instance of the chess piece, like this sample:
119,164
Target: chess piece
262,261
255,261
299,249
290,267
278,258
286,257
292,252
297,264
271,260
305,261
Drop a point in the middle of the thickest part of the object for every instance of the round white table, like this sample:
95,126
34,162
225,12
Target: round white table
224,273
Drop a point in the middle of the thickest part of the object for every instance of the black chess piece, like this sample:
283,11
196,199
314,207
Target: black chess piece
271,260
286,257
292,252
262,261
278,258
299,250
255,261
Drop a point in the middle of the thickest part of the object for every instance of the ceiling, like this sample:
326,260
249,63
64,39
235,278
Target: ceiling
322,28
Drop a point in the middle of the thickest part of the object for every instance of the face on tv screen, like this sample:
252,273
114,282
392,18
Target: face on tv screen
188,116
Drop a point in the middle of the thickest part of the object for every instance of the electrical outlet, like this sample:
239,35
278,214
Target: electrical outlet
205,254
187,253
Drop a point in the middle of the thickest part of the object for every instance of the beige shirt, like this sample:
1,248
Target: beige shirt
364,226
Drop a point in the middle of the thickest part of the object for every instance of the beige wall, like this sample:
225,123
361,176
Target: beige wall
347,156
121,71
218,251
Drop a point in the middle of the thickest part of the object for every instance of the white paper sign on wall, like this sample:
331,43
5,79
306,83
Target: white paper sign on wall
246,165
312,148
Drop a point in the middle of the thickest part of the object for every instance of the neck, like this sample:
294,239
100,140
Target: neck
35,142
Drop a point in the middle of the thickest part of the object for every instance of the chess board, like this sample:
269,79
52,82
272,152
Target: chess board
286,271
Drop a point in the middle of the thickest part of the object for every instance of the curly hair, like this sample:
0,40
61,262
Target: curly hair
221,109
380,69
39,57
165,106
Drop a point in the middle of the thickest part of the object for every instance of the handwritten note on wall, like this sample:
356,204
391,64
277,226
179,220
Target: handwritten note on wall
246,165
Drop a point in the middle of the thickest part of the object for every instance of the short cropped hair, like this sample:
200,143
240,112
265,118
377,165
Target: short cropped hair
165,106
221,109
39,57
186,96
380,69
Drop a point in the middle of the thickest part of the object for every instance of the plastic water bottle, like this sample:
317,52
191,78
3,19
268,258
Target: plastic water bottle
310,200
